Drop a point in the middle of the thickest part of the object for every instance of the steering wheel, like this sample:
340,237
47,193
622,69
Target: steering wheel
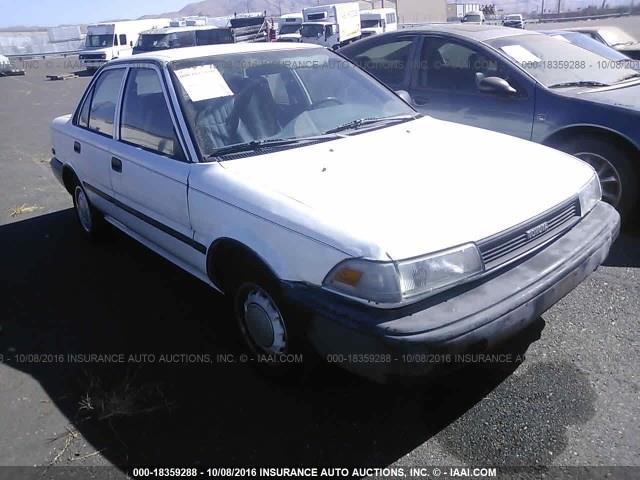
332,100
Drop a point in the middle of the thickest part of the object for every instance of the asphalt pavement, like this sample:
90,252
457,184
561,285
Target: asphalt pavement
177,399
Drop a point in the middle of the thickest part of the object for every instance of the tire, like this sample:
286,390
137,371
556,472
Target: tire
90,220
272,332
614,164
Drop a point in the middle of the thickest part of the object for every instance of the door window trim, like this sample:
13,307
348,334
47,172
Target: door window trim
152,66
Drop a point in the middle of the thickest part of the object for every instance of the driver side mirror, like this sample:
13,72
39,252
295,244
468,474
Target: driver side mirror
494,85
404,95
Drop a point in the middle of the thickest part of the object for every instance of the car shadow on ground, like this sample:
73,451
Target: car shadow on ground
66,296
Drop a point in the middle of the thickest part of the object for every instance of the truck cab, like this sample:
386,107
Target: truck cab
289,27
331,26
379,20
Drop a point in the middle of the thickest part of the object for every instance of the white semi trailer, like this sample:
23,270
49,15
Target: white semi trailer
332,25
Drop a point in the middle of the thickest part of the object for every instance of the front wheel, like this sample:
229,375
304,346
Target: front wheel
272,331
613,164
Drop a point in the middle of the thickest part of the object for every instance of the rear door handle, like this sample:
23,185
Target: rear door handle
76,147
116,164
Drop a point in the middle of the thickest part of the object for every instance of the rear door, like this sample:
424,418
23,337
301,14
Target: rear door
444,85
149,170
93,137
387,58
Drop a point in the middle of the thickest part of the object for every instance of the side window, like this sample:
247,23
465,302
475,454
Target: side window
83,118
103,103
123,39
449,65
145,120
387,61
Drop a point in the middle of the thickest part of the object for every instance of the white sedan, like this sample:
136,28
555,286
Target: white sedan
338,220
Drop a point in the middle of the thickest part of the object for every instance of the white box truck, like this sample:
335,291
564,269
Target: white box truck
289,27
106,41
331,26
378,20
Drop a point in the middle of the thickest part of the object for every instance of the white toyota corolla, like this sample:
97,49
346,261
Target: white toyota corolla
337,219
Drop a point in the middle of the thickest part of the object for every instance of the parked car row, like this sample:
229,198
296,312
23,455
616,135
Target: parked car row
337,219
525,84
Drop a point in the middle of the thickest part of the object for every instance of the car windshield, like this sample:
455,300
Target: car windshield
312,30
294,94
556,63
615,36
513,17
472,18
98,41
287,29
589,43
370,23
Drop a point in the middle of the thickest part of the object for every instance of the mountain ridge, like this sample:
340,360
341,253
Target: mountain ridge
220,8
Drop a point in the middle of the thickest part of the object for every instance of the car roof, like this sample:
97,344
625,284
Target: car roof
479,33
213,50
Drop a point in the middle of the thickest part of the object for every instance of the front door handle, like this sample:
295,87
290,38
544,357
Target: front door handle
116,164
76,147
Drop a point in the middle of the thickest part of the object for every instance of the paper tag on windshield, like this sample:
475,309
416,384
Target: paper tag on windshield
203,83
520,54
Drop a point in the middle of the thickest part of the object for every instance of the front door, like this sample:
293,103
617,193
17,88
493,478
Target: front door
445,86
149,171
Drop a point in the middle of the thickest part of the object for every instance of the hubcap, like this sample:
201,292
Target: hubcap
84,211
608,175
263,322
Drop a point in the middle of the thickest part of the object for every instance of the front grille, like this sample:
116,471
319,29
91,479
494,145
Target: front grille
521,239
92,56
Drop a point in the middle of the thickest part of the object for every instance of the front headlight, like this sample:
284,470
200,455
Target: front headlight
397,282
590,195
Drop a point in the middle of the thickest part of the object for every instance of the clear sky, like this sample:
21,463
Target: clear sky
56,12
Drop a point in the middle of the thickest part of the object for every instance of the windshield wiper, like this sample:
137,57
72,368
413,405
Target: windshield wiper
584,83
256,145
628,77
361,122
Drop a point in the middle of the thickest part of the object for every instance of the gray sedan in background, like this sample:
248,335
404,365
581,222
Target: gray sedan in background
524,84
613,37
589,43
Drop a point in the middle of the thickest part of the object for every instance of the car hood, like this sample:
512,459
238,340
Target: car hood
623,97
410,189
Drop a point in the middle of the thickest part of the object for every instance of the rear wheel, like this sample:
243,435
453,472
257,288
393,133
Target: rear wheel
613,164
90,220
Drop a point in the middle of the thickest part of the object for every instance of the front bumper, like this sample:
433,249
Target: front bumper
93,63
385,343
